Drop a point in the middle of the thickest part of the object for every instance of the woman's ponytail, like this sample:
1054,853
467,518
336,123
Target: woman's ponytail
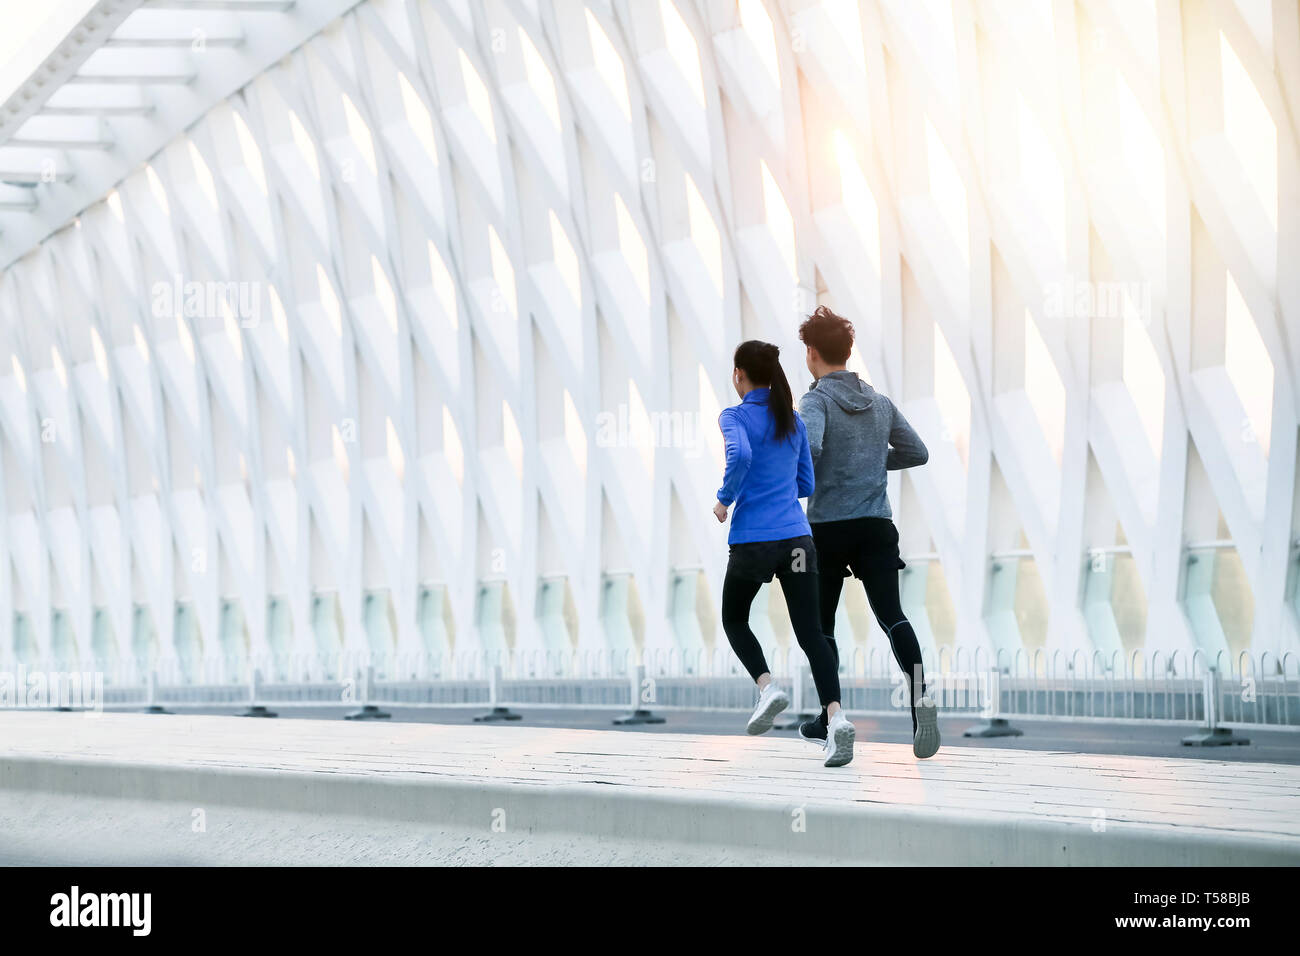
781,400
761,363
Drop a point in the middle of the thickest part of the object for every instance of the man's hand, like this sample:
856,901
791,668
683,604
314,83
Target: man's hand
720,511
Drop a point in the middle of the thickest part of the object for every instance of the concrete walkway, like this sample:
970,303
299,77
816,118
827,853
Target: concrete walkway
602,794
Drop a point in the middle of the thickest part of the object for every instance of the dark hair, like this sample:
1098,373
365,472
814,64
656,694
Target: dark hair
830,334
761,363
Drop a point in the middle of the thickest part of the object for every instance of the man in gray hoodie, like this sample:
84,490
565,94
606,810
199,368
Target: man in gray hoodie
857,436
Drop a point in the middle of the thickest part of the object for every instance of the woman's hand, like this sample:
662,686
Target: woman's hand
720,511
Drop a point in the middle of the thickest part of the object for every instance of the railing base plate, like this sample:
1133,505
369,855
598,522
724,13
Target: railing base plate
637,717
1218,737
368,712
995,727
257,710
497,713
794,720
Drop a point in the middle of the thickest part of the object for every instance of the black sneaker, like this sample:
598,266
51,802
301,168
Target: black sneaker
814,731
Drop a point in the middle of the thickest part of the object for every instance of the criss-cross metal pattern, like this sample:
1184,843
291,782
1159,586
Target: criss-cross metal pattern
417,340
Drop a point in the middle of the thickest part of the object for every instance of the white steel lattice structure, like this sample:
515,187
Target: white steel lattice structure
418,339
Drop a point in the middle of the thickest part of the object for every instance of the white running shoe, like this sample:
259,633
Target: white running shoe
840,734
926,741
771,702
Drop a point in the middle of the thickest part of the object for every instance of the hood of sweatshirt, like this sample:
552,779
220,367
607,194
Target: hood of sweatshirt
847,391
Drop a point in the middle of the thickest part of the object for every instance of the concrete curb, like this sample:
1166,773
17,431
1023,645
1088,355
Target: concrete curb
862,832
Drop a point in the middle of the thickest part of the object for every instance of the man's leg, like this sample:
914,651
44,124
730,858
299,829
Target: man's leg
881,585
830,583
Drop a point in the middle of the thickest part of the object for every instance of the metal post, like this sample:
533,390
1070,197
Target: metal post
151,694
497,712
639,715
993,725
368,710
1212,735
254,708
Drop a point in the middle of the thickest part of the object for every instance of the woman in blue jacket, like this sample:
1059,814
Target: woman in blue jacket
769,468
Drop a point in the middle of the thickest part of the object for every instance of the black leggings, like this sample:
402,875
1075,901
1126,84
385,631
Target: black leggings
800,591
881,585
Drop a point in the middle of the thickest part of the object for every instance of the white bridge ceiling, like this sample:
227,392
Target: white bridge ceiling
120,85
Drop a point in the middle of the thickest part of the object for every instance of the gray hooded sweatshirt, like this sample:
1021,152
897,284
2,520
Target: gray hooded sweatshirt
856,435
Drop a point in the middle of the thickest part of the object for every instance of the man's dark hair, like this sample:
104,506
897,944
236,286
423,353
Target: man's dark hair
830,334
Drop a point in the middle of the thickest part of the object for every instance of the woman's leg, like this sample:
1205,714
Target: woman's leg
737,595
738,592
801,599
882,593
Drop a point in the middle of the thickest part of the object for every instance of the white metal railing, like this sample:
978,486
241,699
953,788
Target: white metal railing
1241,690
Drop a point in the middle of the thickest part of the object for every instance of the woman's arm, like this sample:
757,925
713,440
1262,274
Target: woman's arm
805,479
739,455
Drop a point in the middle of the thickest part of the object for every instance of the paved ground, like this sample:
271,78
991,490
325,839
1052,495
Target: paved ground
63,830
1079,737
127,788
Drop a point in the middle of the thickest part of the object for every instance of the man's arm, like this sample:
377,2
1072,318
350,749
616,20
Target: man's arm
906,448
813,413
739,455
